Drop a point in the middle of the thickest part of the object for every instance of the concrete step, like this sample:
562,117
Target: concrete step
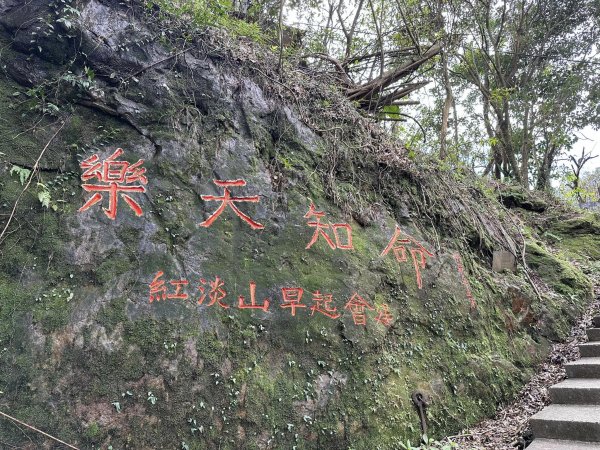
575,391
567,422
593,334
551,444
584,368
590,349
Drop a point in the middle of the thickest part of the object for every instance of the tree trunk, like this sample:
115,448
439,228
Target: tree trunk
505,133
525,150
543,180
446,110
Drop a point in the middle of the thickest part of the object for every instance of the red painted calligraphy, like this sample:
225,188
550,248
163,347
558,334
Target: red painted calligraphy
215,294
342,244
227,199
417,251
384,317
464,279
158,290
212,292
252,305
336,227
357,306
117,177
292,298
322,304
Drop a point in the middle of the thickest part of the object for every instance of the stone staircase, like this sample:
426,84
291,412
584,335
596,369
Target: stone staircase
572,421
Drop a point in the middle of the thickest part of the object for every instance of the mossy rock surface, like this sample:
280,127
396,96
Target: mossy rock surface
578,237
88,357
518,197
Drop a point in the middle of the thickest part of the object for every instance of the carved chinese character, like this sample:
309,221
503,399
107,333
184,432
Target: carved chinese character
252,305
215,294
322,304
228,200
335,227
384,317
115,178
417,252
158,290
357,306
464,279
292,298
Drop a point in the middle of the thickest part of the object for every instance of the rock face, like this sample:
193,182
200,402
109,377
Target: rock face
273,279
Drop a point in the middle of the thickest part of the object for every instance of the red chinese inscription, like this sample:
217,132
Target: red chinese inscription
357,306
336,228
418,253
158,289
215,294
384,317
322,304
212,292
115,178
242,301
464,279
292,298
227,199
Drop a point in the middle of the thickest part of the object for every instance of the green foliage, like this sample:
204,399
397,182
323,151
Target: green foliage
84,82
69,13
245,373
152,398
215,13
390,111
500,94
431,444
44,195
22,173
587,188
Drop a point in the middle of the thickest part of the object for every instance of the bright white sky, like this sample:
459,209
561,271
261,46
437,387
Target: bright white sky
590,140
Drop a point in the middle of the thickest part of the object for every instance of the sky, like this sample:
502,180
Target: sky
589,139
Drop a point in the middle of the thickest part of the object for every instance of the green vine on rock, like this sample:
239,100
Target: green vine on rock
31,175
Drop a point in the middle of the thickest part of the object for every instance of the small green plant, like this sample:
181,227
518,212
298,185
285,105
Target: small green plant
152,398
43,193
194,426
69,15
83,82
22,172
170,347
44,196
215,13
431,444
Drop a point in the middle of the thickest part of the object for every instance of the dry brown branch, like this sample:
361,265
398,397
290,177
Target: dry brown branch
31,175
365,93
31,427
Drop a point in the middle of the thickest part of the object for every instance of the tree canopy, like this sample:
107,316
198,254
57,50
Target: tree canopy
506,83
501,86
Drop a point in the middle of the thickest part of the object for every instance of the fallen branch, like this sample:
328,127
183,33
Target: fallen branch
143,69
36,429
374,88
338,65
33,170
